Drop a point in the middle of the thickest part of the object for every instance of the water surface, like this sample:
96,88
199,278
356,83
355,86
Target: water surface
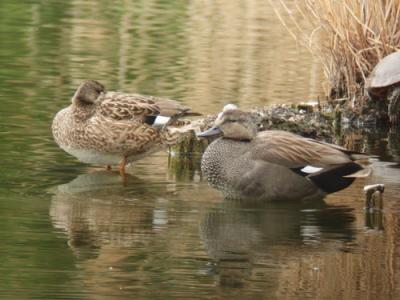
73,231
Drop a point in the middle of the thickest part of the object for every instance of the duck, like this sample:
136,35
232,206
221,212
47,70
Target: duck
113,128
274,164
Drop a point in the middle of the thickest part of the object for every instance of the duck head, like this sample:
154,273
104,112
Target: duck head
233,124
87,93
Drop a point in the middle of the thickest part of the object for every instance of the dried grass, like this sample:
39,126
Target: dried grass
348,36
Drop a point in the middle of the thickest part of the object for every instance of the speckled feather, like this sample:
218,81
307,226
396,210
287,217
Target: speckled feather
114,123
121,106
271,165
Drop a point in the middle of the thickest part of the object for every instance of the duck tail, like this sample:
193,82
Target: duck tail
192,114
187,112
361,156
364,172
337,178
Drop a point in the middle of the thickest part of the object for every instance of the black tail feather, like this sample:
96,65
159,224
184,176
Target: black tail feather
332,180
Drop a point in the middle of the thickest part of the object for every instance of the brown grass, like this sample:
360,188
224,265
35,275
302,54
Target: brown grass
348,36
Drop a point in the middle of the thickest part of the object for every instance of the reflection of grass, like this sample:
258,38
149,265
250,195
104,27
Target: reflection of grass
349,37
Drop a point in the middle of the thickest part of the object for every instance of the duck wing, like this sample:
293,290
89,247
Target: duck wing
172,108
294,151
330,167
120,136
121,106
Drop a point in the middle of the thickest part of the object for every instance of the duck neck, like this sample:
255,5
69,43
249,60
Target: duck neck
82,111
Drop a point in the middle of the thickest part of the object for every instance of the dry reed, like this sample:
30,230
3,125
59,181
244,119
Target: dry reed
348,36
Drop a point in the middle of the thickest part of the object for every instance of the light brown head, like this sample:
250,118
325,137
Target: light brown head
87,93
234,124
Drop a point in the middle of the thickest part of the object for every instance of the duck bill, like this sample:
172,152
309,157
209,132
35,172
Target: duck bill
210,132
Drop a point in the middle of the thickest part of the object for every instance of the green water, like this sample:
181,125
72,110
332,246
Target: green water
73,231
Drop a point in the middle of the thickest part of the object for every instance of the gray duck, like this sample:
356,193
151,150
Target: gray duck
114,128
274,164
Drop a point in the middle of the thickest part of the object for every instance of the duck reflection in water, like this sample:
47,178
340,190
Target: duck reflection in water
97,212
110,228
249,241
274,164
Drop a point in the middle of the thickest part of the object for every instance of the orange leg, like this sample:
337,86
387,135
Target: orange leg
122,167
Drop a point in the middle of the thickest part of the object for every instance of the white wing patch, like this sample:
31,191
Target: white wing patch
161,120
311,169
